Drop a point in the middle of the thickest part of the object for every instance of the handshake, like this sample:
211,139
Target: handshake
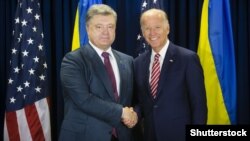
129,117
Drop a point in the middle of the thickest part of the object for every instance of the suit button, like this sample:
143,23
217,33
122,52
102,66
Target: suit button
155,106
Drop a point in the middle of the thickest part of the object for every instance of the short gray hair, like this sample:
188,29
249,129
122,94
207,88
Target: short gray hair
154,11
100,9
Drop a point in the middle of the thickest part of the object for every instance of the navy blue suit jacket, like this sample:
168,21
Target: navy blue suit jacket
181,97
90,107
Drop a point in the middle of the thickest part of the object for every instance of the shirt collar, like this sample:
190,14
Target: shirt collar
163,51
99,51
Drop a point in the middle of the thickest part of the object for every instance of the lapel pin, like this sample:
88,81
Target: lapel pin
171,60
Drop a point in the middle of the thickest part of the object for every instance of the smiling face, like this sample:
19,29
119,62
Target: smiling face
155,28
101,30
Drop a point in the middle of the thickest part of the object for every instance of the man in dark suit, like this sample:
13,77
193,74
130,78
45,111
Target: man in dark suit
97,84
169,83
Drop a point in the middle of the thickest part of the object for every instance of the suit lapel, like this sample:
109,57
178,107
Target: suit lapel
167,63
145,68
122,73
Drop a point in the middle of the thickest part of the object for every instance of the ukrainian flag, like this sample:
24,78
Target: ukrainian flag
80,36
216,52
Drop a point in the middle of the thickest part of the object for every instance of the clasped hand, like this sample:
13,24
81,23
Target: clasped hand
129,117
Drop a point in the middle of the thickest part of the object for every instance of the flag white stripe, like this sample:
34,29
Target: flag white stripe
6,135
44,116
23,126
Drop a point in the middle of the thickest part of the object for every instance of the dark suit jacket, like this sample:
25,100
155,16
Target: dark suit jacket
181,97
90,107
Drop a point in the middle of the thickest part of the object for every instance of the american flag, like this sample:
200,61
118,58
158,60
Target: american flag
27,116
145,5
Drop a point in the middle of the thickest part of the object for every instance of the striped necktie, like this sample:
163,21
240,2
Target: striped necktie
155,75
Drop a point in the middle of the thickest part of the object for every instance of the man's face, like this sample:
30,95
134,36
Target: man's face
101,31
155,30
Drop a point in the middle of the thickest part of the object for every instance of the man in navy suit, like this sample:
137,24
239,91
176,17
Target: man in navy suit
171,95
96,104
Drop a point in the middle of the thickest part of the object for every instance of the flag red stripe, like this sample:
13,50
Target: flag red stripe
12,126
34,123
